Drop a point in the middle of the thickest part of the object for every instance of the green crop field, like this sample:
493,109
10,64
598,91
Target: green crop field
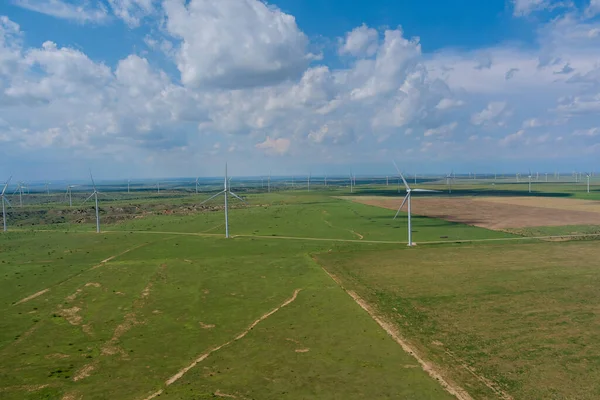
161,304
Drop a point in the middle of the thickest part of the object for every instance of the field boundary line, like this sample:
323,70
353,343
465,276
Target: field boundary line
516,238
428,367
205,355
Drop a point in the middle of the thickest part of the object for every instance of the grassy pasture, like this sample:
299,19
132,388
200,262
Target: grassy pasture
523,316
121,330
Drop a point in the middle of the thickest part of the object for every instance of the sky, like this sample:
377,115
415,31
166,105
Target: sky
174,88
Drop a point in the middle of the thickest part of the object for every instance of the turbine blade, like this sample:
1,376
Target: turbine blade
7,201
6,185
90,196
402,205
237,197
92,178
401,176
212,197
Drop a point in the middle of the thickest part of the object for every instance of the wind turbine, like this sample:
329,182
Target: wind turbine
351,183
387,181
95,194
407,198
48,188
529,181
20,190
129,183
269,183
69,190
588,182
3,200
449,182
158,186
308,182
226,191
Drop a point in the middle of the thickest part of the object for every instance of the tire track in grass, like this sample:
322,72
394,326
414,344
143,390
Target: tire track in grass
205,355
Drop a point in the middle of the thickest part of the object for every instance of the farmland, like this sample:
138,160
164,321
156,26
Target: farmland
160,304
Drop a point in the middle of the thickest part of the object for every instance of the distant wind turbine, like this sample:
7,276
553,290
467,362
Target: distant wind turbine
408,198
226,191
68,193
588,182
95,195
4,199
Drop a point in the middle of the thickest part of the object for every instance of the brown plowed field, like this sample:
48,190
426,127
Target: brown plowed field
498,212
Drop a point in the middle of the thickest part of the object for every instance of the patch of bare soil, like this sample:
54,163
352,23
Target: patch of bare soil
206,326
205,355
84,372
302,350
56,356
493,213
33,296
71,315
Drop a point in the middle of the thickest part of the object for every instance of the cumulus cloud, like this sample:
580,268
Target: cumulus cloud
490,114
80,12
513,137
446,104
443,131
361,41
132,11
278,146
235,44
247,80
523,8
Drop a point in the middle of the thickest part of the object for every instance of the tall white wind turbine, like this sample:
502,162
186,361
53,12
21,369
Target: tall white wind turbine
95,195
588,181
407,198
4,199
226,191
449,182
529,181
68,193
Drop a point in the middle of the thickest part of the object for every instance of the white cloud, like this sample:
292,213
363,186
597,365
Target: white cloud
525,7
82,12
235,44
278,146
491,113
360,42
446,104
132,11
593,8
532,123
587,132
513,137
443,131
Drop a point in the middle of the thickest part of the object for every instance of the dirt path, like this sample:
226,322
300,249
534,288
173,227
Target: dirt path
33,296
41,292
428,367
205,355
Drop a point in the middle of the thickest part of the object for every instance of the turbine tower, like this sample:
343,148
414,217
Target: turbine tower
95,194
588,182
4,199
407,198
226,191
68,193
529,181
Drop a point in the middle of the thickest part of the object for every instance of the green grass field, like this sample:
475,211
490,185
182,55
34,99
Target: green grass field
163,304
521,316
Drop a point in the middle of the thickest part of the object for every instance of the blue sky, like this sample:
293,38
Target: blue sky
153,88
